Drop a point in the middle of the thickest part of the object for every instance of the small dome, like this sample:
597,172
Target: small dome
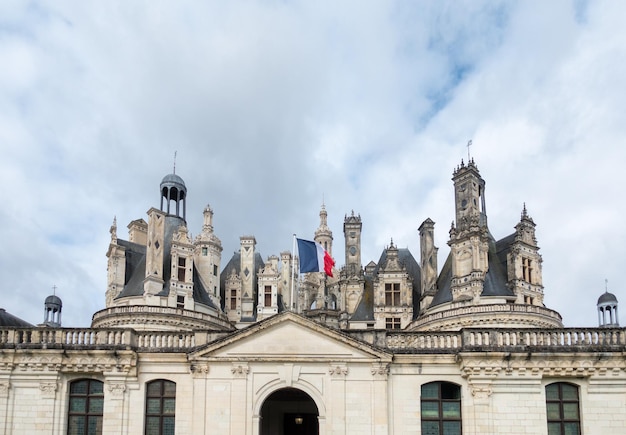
173,180
54,300
607,298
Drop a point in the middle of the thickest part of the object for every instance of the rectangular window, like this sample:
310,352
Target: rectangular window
181,268
392,323
205,251
180,302
562,409
268,296
392,294
215,270
441,409
233,299
527,270
85,407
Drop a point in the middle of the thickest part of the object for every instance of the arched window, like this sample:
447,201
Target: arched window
85,407
441,409
160,407
563,411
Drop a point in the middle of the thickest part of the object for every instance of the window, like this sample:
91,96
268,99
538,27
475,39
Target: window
181,268
392,294
562,408
205,251
160,407
85,407
527,269
441,409
392,323
215,270
233,299
180,302
268,296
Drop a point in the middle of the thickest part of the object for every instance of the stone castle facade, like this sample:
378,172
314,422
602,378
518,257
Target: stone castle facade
191,343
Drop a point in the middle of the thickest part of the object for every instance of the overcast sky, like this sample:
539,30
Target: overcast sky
275,106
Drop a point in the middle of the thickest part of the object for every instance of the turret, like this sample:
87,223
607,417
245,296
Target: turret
524,263
352,227
469,238
207,257
323,234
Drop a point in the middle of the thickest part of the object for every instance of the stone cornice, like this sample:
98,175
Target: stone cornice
540,365
43,360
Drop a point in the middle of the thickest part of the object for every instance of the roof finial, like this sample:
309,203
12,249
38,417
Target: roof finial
175,161
54,289
469,144
606,285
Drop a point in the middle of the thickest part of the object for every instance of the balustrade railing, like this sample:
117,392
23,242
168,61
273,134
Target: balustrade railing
466,340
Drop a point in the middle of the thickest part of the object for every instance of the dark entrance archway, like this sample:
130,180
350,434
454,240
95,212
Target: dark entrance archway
289,411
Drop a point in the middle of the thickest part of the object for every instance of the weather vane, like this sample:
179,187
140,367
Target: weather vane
469,144
175,161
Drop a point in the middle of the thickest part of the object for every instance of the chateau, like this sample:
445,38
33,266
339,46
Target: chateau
192,343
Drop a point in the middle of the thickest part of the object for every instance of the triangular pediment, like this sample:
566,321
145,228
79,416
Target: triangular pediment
290,336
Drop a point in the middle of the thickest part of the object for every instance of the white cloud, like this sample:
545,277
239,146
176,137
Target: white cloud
273,105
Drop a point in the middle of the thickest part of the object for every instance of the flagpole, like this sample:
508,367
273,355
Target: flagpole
293,271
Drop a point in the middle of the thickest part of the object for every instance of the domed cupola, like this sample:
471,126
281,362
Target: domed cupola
173,189
607,310
52,311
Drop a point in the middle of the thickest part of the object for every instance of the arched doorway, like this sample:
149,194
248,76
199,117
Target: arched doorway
289,411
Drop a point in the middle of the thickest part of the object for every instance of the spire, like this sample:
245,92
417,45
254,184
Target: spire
113,230
323,234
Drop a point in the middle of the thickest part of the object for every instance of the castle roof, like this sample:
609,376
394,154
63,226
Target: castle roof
8,319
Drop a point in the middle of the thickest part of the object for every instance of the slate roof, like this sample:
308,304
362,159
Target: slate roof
9,320
607,298
136,267
495,280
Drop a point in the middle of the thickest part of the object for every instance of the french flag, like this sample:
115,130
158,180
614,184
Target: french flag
314,258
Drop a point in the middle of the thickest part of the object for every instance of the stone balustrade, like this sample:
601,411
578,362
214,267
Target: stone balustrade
466,340
75,338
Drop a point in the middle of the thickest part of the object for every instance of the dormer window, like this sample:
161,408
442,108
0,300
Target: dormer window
392,294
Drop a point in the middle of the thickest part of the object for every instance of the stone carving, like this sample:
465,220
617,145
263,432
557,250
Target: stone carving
481,391
48,389
240,370
116,389
337,370
199,370
4,389
380,369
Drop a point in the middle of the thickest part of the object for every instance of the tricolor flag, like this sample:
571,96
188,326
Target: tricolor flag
314,258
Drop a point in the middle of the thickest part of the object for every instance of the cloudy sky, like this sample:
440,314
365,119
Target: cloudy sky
275,106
